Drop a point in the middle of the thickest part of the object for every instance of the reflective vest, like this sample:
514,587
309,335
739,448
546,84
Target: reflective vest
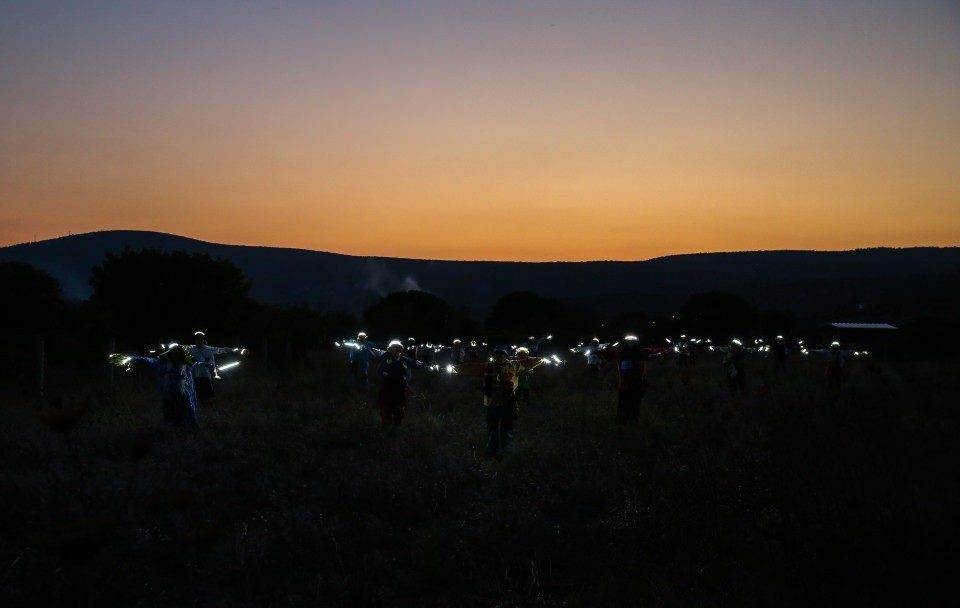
394,370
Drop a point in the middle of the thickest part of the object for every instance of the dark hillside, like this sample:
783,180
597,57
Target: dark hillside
893,283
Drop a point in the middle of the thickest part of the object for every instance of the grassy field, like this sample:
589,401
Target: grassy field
293,494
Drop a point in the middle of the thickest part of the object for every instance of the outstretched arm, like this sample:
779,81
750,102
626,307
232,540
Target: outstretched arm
377,353
127,361
222,350
530,362
413,362
470,369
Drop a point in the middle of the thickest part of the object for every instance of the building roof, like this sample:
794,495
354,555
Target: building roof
861,325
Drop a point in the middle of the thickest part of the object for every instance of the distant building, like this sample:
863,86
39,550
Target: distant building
862,335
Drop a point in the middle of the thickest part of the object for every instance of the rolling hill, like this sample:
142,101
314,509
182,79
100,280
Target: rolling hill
882,283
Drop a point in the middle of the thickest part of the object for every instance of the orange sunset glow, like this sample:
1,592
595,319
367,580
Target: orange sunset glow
459,130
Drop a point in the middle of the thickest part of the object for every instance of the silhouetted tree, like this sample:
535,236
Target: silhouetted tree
309,328
932,336
30,299
522,313
417,313
777,322
154,294
629,321
720,315
286,334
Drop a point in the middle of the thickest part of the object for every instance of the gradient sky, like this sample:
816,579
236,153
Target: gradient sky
485,130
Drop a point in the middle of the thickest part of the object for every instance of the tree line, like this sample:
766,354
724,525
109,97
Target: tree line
143,297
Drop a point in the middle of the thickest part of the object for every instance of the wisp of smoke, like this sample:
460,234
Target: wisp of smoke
409,284
382,281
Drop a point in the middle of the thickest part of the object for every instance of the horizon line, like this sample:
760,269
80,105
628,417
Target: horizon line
488,261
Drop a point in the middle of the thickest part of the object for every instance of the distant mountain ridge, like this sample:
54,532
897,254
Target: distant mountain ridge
892,283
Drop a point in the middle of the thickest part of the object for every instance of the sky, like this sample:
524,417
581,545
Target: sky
485,130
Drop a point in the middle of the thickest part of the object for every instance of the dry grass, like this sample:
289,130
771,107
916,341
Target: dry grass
292,493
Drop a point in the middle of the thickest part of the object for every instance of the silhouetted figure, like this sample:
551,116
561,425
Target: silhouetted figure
203,376
499,386
734,365
359,359
630,360
174,367
395,371
779,350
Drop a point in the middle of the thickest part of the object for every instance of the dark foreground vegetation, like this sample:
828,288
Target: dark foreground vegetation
293,494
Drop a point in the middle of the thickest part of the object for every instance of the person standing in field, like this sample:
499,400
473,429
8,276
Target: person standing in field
499,387
734,365
525,378
472,351
204,376
360,359
630,360
395,371
779,349
836,369
683,359
457,353
412,350
593,358
532,345
174,367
